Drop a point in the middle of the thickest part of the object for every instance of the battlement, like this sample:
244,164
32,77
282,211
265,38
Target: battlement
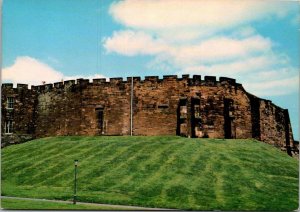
22,86
152,78
58,85
48,87
69,83
195,80
116,80
135,79
170,77
82,81
99,81
228,80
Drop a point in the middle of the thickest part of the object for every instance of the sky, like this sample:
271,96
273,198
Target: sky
255,42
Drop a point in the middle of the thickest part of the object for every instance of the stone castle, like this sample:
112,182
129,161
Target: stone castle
186,106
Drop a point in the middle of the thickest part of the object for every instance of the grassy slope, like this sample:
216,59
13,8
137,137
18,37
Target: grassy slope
169,172
42,205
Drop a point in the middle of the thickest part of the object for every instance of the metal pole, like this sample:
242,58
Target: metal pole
75,181
131,101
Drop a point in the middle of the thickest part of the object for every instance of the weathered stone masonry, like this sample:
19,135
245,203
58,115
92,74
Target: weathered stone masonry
185,106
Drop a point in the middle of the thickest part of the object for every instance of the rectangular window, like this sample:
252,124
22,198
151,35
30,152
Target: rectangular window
8,127
10,102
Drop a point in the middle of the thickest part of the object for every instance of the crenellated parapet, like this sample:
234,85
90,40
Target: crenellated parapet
7,85
195,80
14,89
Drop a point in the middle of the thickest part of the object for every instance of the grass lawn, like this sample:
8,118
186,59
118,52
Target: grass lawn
165,171
16,204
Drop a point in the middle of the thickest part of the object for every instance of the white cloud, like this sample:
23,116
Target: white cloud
222,48
133,43
238,67
31,71
177,20
169,14
174,36
244,32
245,58
273,87
207,38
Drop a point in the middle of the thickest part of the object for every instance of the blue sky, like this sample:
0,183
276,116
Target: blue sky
255,42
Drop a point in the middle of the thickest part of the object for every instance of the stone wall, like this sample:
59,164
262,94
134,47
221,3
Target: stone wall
22,116
112,100
191,107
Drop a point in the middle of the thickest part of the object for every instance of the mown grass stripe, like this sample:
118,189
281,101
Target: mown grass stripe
158,171
132,161
144,167
42,168
117,159
104,164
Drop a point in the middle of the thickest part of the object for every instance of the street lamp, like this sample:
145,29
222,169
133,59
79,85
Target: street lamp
75,181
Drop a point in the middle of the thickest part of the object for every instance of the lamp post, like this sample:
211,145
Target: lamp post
75,181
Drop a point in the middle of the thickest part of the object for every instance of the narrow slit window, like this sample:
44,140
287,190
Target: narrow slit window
100,117
10,102
163,106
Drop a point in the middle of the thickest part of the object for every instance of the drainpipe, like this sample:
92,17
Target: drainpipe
131,101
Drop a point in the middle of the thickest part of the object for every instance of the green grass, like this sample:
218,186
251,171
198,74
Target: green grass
166,172
18,204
